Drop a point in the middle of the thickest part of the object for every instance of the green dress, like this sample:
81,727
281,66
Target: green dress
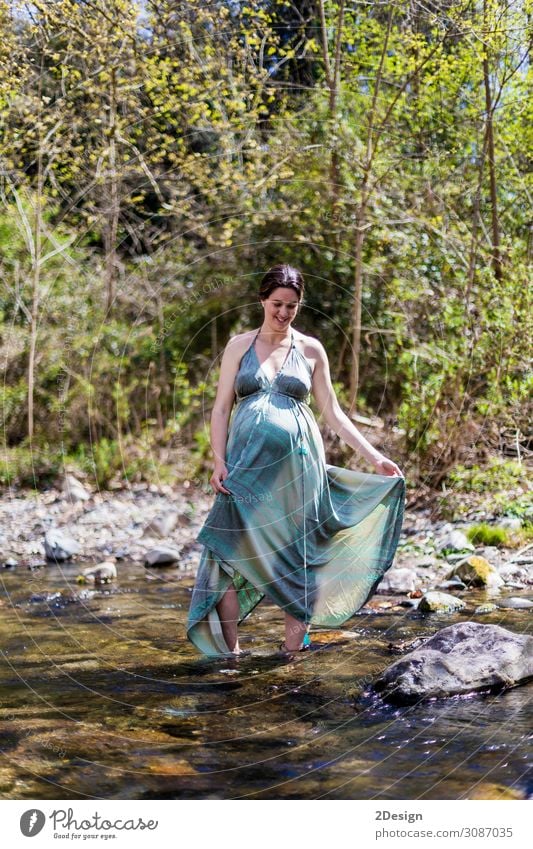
315,539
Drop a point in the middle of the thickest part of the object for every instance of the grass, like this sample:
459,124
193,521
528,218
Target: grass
484,534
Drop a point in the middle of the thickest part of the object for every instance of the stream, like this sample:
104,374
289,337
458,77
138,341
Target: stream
102,696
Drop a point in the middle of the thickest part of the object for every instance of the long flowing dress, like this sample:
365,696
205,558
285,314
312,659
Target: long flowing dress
314,538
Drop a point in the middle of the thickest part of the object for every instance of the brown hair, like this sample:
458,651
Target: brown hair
281,275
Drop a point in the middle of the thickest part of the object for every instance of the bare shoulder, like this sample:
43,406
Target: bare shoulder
247,336
310,346
238,344
313,351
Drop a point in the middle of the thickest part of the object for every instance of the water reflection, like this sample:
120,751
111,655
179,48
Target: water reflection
101,696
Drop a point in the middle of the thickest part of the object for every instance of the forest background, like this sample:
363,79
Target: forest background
157,157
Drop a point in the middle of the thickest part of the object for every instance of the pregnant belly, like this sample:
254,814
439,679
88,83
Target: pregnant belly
262,434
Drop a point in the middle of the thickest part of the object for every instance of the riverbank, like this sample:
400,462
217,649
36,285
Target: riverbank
128,524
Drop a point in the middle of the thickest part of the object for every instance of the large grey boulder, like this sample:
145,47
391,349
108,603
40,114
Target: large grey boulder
163,524
162,555
74,490
462,658
401,580
477,572
58,546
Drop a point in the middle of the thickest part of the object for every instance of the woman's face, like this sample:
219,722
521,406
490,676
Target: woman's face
280,307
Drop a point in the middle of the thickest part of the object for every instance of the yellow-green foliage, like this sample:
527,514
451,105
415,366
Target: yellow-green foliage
157,158
487,535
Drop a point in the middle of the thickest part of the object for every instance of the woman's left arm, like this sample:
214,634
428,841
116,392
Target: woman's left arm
338,421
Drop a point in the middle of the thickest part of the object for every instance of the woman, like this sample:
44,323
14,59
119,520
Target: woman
314,538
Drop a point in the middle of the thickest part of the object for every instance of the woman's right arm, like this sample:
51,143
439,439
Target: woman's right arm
221,412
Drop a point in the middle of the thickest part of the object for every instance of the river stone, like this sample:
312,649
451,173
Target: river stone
58,546
475,571
435,602
102,573
10,562
455,541
513,571
461,658
162,525
488,607
74,490
453,583
398,581
516,603
162,555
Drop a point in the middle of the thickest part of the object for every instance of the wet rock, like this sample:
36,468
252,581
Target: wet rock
102,573
398,581
406,645
462,658
61,598
161,556
476,571
162,525
436,602
36,598
74,490
58,546
515,603
454,541
486,608
409,602
453,583
10,562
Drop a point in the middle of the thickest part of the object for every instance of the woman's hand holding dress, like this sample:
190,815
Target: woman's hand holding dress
384,466
220,473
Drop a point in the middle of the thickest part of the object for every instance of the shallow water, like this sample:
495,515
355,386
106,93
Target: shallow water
101,696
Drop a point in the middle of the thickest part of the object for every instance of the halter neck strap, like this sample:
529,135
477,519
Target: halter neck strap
292,337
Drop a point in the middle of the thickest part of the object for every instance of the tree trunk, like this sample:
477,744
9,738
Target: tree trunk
361,218
495,221
357,301
35,290
113,210
333,79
